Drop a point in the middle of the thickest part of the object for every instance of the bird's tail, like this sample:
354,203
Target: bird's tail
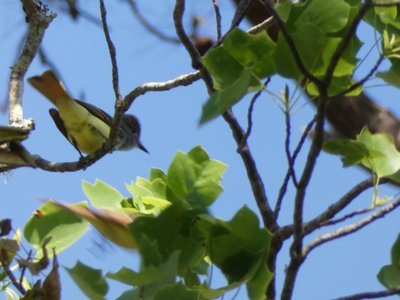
50,86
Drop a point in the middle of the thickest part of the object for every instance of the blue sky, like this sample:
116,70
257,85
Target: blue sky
169,123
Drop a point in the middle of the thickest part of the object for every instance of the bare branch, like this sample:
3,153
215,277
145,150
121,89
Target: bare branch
341,204
218,20
262,26
297,245
182,80
253,175
286,231
346,230
283,189
38,18
364,79
191,49
346,217
115,78
146,24
240,14
250,113
371,295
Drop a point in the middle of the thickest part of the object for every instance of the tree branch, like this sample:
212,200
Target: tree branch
38,18
253,175
146,24
217,20
371,295
346,230
283,188
115,79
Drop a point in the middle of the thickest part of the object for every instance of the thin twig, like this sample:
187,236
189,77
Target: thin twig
363,80
182,80
346,217
240,14
371,295
112,50
250,113
283,188
217,20
297,244
286,232
146,24
253,175
346,230
287,138
341,204
119,112
262,26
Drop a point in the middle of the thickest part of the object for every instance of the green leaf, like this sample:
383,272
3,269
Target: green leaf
329,16
89,280
283,9
391,77
352,151
240,252
209,293
177,291
309,41
237,66
159,237
102,195
395,253
225,98
374,151
149,197
63,227
258,284
193,181
240,51
130,277
133,294
389,276
337,86
157,174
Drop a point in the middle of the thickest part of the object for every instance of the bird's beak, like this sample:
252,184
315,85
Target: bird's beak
143,148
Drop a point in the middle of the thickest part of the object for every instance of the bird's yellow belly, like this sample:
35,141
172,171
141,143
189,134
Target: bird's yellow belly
84,130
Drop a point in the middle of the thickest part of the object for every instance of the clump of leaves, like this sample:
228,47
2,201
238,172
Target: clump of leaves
166,219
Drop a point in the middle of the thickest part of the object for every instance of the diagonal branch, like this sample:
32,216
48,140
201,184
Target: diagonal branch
371,295
346,230
238,133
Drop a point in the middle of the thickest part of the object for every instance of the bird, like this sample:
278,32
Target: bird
84,125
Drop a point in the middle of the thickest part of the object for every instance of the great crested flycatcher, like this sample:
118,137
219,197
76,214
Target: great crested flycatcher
86,126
